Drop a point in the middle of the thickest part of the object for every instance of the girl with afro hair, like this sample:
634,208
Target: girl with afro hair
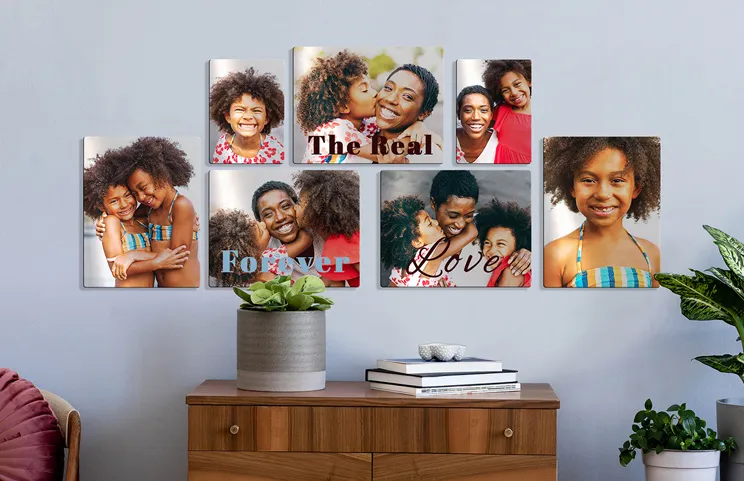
329,206
503,229
336,98
606,179
126,241
245,106
234,230
510,85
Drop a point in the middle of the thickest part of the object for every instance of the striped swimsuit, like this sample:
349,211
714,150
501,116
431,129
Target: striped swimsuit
133,242
164,232
610,276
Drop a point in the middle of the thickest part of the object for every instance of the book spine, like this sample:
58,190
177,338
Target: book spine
466,389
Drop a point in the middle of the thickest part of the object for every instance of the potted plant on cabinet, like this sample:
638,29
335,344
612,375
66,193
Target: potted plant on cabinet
676,445
281,335
719,295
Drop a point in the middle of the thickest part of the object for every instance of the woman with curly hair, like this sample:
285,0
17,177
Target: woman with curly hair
336,98
245,106
606,179
153,169
503,229
510,85
476,139
329,206
126,242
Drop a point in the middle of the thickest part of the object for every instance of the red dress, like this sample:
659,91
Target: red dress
496,273
337,246
515,136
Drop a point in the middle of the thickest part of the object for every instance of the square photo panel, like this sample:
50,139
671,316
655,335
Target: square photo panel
246,112
494,112
141,203
297,223
368,105
602,199
455,228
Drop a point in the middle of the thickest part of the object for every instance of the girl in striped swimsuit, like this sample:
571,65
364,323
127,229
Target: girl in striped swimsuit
606,179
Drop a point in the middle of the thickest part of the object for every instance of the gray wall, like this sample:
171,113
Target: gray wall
127,359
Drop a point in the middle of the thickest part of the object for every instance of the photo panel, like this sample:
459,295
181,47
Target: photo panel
602,203
455,228
368,105
141,204
246,111
493,110
268,223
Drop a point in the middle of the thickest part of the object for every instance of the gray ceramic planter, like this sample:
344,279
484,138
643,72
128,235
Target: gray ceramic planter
281,351
730,420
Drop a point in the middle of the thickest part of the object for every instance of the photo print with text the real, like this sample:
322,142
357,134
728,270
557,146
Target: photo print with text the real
368,105
602,199
493,112
246,112
264,224
455,228
141,204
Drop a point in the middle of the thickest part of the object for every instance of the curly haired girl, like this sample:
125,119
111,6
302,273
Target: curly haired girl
329,205
245,106
510,85
606,179
503,229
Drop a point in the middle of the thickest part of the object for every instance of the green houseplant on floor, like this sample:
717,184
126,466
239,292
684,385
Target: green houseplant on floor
281,335
676,445
718,294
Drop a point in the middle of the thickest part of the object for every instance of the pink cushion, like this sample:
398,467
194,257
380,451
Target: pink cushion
31,445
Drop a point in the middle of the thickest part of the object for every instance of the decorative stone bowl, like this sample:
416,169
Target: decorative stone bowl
441,351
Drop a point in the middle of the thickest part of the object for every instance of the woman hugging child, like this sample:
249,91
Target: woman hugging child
503,229
510,85
329,206
245,106
606,179
336,98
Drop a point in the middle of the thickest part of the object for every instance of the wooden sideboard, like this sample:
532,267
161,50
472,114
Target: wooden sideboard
350,432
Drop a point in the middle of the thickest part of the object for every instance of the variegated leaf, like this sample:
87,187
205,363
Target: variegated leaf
730,279
724,363
731,249
703,297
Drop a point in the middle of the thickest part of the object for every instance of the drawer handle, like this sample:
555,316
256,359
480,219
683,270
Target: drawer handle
234,429
508,432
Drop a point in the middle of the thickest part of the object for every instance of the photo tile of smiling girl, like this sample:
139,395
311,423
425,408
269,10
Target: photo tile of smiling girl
368,105
455,228
602,200
246,112
141,203
493,112
268,223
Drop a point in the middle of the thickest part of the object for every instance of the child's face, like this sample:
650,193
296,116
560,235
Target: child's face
429,230
475,115
516,90
362,98
455,214
603,189
300,209
119,202
146,190
499,242
247,116
399,102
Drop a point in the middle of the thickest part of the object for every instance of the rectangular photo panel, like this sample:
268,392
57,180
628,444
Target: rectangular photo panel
494,112
141,203
368,105
455,228
246,111
264,224
602,203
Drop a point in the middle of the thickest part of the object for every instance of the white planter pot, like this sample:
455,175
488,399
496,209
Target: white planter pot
674,465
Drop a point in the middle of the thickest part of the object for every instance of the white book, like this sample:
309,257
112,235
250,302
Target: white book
443,391
441,379
419,366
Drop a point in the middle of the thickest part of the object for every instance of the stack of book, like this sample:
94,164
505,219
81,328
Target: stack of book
417,377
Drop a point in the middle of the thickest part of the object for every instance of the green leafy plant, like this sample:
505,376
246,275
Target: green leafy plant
677,429
718,295
281,294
